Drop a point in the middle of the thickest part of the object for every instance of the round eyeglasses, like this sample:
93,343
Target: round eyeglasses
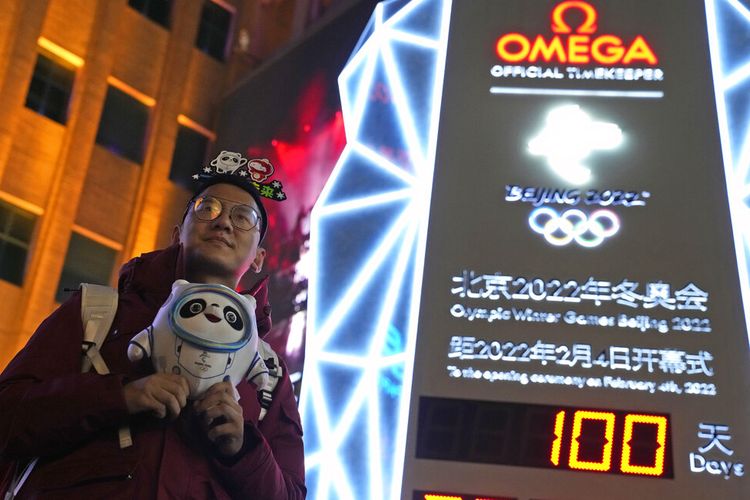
243,217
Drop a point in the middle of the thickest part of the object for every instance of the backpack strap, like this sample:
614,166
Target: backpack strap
268,383
98,309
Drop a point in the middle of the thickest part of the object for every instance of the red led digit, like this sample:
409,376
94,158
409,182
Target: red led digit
609,427
661,439
557,443
430,496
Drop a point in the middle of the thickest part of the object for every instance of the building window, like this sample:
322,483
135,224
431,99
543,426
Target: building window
16,229
213,33
156,10
86,262
50,89
122,127
189,156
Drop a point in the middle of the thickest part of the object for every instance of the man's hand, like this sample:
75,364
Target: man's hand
221,416
163,394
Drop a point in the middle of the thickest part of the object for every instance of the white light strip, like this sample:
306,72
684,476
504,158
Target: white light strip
378,340
736,77
395,359
345,359
423,212
403,13
744,11
337,314
742,168
362,95
401,103
631,94
412,39
384,163
366,202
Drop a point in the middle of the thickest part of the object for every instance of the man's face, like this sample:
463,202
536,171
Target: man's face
217,248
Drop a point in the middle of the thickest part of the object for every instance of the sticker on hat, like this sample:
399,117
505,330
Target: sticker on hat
257,171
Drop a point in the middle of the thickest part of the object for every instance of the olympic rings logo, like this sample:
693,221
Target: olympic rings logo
574,225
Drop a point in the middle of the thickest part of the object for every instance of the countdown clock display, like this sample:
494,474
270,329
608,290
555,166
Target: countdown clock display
582,330
553,437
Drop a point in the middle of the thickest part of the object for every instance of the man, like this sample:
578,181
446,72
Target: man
214,447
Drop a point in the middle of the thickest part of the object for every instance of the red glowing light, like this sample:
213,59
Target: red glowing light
606,462
578,48
560,26
454,496
557,443
661,439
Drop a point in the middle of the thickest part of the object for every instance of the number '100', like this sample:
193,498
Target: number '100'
605,464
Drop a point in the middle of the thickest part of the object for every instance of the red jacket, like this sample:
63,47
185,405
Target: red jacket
69,419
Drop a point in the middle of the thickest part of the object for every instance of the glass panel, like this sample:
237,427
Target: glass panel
122,127
50,89
12,262
189,156
156,10
86,262
214,30
22,226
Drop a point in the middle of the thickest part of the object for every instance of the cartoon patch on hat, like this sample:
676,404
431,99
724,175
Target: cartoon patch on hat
256,170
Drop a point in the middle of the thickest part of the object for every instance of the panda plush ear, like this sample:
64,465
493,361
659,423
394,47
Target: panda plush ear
179,283
176,286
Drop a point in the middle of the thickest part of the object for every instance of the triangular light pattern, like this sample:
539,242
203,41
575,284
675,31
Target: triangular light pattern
372,219
729,29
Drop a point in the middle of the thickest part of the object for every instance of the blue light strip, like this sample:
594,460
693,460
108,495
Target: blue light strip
368,236
728,28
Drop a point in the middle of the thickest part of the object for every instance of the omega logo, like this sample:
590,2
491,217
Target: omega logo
575,46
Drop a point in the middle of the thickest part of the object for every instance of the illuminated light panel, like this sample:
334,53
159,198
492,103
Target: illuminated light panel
422,495
609,429
569,137
226,6
661,438
635,94
557,443
132,91
102,240
187,122
21,203
730,63
363,325
60,52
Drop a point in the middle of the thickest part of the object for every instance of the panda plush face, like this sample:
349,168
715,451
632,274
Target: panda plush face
211,318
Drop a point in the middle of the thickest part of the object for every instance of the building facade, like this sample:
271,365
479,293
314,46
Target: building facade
106,108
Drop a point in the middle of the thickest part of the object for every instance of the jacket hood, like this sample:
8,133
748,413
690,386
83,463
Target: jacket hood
151,275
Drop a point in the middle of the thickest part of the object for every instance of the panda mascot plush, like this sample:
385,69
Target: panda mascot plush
208,334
